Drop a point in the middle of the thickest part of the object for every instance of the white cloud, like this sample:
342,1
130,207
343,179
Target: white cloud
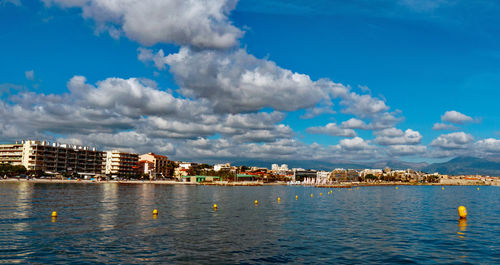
457,140
490,145
235,81
393,136
363,105
455,117
30,75
356,143
354,123
406,150
200,23
316,111
332,129
443,126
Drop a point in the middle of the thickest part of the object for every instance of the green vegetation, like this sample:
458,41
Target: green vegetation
10,170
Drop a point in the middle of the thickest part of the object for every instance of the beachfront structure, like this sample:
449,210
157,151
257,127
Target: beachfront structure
153,165
219,167
119,163
198,179
11,154
52,157
277,168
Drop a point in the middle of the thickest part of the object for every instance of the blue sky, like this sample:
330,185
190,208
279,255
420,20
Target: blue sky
255,80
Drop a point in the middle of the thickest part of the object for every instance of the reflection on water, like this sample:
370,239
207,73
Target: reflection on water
113,223
109,206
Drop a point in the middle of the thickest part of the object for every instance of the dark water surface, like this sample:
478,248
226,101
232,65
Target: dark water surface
113,223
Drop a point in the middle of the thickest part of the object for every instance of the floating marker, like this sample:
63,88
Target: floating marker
155,212
54,214
215,206
320,194
256,202
477,188
312,195
462,212
296,197
397,187
279,199
442,188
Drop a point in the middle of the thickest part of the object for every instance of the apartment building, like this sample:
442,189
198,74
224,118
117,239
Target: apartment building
11,154
153,164
52,157
119,163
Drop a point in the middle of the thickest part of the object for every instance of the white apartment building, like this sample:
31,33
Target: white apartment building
52,157
121,163
219,167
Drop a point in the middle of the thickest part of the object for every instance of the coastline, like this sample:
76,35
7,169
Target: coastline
457,182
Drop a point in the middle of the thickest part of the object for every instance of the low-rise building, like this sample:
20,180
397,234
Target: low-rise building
219,167
153,165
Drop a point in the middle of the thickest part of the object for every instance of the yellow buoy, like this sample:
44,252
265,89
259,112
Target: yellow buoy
442,188
320,194
312,195
54,214
397,187
296,197
462,212
256,202
155,212
215,206
477,188
279,199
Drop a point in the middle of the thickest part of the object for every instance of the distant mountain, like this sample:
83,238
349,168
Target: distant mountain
466,166
326,165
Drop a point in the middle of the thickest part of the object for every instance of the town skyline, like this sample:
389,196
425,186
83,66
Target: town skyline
410,83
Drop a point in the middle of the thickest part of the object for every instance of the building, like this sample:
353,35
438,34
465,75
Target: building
53,157
219,167
154,165
119,163
11,154
277,168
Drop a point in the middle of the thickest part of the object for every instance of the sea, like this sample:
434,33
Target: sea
111,223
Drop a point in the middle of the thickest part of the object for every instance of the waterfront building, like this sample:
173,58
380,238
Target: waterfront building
53,157
119,163
219,167
11,154
153,165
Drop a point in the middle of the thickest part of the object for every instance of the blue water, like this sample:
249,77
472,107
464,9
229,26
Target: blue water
113,224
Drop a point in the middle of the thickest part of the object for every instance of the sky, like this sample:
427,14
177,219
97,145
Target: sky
255,80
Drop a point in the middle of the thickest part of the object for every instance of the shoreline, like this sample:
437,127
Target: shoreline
236,184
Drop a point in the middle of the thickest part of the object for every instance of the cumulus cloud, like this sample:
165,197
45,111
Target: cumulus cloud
331,129
235,81
456,117
199,23
406,150
393,136
490,145
356,143
363,105
458,140
354,123
316,111
443,126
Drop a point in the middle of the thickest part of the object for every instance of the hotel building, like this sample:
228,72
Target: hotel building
154,165
119,163
52,157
